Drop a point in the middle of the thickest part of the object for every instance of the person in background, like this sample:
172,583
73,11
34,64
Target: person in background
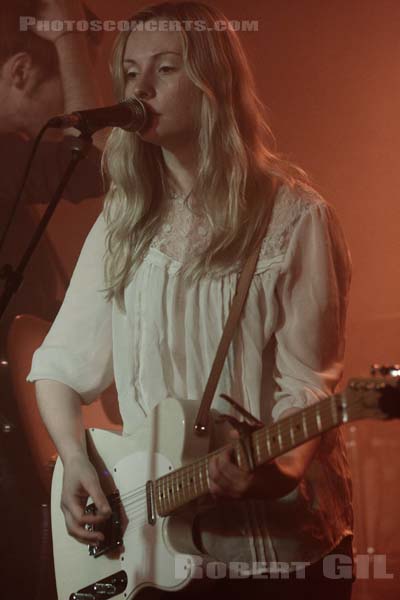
42,74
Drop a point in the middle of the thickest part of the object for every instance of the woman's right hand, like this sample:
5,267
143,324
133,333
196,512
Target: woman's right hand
81,481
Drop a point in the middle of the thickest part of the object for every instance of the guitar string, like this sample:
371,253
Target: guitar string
137,515
137,518
191,470
132,508
134,516
281,429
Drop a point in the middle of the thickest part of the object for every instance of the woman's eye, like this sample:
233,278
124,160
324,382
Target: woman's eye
130,75
166,68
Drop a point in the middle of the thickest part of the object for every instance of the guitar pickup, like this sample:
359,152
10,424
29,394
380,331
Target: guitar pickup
111,528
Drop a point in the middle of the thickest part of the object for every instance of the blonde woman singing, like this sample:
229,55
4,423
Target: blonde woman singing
152,290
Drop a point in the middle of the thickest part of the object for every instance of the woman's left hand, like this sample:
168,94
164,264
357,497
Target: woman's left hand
227,480
271,480
225,477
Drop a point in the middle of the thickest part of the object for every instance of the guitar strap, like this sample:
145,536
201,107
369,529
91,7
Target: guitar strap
243,285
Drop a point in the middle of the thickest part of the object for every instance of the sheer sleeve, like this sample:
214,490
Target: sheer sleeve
78,348
312,295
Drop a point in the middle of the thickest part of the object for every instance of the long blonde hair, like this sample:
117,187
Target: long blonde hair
238,169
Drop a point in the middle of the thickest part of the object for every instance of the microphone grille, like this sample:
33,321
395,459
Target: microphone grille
139,114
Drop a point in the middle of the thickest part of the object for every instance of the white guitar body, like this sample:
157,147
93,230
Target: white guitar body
149,551
161,470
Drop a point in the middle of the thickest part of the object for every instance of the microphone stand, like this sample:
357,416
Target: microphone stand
13,278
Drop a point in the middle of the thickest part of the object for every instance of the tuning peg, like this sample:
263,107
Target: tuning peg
384,370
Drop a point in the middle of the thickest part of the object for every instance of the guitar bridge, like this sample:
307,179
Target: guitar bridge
111,529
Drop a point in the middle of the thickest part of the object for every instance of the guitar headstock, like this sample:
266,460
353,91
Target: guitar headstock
384,370
373,397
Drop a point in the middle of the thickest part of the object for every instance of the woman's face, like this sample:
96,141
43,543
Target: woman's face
155,73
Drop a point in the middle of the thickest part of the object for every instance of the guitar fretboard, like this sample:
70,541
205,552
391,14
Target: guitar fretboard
174,490
282,436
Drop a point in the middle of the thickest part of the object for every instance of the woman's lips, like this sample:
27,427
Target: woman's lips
150,109
152,120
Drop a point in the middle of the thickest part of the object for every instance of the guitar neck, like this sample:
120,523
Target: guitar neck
270,442
176,489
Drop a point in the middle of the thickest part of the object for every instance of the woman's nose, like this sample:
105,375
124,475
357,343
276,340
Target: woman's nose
143,88
141,94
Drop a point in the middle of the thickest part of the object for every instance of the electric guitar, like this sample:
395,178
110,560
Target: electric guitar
153,478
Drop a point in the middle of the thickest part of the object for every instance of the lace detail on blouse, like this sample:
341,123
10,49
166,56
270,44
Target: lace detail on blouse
184,233
288,209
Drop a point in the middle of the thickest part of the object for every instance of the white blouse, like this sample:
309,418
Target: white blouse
287,352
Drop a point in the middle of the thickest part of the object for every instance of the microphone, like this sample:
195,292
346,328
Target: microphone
131,115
